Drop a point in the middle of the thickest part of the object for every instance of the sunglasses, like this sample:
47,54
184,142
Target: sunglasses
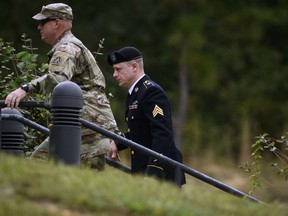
43,22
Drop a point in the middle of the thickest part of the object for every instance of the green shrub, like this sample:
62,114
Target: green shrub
19,67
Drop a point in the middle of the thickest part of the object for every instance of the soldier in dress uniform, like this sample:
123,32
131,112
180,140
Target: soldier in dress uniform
70,60
148,117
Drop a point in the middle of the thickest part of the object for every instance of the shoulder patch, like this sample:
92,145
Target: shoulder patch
147,83
56,61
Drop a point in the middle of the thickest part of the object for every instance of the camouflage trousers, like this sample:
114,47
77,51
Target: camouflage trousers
93,151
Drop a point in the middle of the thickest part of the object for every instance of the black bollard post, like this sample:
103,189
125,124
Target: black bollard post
65,132
12,135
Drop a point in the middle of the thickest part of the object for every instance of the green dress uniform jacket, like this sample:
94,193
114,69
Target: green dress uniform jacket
149,121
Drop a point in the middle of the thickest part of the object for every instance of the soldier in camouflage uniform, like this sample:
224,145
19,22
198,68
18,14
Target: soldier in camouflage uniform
70,60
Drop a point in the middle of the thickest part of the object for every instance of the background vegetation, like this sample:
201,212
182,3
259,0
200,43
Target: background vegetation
223,63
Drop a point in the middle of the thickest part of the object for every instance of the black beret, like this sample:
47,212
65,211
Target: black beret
123,55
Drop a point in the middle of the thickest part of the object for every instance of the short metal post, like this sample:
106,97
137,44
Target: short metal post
12,135
65,132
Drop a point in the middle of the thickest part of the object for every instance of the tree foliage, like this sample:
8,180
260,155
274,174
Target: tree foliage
232,54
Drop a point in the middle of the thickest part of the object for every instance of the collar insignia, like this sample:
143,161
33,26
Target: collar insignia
147,83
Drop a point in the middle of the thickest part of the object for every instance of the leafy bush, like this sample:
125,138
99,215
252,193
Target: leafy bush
19,67
263,144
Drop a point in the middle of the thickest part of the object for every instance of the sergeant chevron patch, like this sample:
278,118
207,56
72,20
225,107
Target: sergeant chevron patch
157,110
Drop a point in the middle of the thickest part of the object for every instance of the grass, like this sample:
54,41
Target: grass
33,188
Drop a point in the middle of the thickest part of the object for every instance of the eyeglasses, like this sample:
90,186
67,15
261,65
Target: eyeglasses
43,22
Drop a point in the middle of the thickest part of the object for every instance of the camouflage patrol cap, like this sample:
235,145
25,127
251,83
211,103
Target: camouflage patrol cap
53,11
123,55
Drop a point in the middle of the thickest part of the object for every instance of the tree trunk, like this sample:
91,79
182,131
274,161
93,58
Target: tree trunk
245,141
180,118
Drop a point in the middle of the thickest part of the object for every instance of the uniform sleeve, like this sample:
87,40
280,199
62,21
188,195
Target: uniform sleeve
157,109
121,146
61,68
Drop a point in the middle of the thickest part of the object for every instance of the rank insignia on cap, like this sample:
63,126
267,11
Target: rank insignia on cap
136,89
157,110
113,57
56,61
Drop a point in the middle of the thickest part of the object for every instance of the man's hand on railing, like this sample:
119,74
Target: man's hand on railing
13,99
113,154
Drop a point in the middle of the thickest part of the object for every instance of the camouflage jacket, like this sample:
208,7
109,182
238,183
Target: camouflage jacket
70,60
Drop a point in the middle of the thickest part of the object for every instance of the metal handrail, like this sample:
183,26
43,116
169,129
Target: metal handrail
46,131
130,144
29,104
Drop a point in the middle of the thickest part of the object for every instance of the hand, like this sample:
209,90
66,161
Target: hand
113,154
12,100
